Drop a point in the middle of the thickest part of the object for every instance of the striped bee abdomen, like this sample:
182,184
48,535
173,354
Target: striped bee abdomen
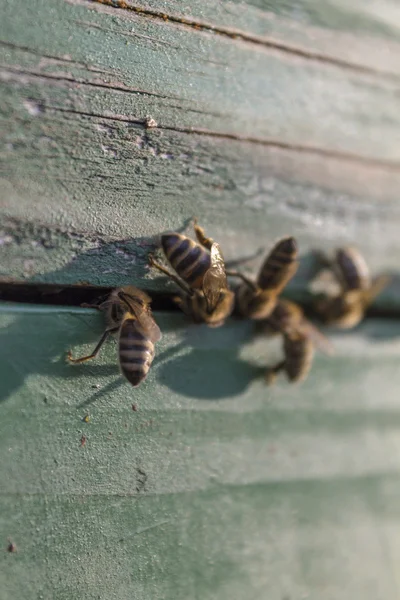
136,352
299,353
279,266
190,260
352,268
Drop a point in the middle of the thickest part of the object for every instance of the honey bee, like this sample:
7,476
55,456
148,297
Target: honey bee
256,300
356,289
201,275
299,340
128,314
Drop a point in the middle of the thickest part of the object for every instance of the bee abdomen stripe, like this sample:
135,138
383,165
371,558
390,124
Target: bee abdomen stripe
170,241
190,258
139,368
128,343
180,249
134,360
198,267
127,355
278,259
130,334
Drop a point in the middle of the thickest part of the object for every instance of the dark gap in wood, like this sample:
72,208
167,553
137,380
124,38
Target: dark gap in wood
76,295
71,295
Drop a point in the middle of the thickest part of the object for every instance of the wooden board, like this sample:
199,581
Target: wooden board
255,139
216,487
271,118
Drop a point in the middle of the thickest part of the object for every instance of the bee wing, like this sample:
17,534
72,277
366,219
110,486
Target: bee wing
215,278
316,336
150,326
146,321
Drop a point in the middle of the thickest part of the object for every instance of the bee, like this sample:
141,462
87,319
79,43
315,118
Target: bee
256,300
356,289
299,340
201,275
128,314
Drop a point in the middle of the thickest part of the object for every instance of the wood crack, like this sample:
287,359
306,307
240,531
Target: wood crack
237,34
271,143
56,59
75,295
71,295
79,81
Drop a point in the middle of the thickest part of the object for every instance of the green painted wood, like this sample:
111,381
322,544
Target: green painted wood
359,18
351,33
255,139
272,118
247,490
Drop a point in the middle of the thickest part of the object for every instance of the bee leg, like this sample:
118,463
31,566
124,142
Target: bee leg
245,279
100,306
178,281
272,372
86,305
96,350
201,236
183,305
179,301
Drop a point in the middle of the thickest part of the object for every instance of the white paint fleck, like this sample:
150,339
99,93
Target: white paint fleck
29,267
150,123
102,128
6,240
109,151
125,255
34,108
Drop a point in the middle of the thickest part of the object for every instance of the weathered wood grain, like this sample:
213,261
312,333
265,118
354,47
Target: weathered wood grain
216,487
272,118
257,141
347,36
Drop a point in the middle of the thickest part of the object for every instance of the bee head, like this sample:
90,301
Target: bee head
129,301
216,314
